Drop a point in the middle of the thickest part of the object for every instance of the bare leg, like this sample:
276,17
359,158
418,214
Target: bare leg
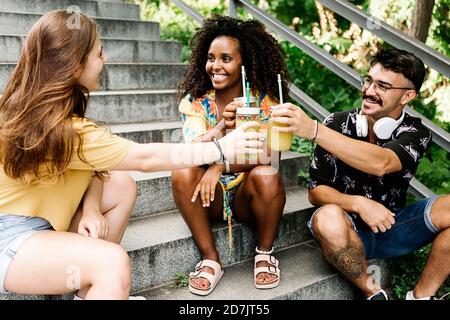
117,203
197,217
118,199
260,199
437,269
51,262
342,246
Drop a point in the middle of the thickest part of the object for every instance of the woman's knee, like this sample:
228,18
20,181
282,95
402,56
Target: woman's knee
125,185
183,179
266,183
114,267
330,222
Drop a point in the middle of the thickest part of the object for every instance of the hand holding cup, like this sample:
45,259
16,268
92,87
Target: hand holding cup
295,119
243,140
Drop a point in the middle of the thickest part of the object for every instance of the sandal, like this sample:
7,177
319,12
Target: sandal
212,278
271,269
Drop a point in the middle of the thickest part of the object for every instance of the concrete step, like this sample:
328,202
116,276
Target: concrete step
117,9
13,23
115,107
166,132
116,50
155,189
161,245
117,1
126,76
305,275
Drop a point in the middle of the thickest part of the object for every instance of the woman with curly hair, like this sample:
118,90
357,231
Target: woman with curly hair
60,227
251,193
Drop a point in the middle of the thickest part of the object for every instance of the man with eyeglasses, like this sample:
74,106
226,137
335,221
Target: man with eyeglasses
359,177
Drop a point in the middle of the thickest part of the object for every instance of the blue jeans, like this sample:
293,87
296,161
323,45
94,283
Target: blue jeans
14,230
412,230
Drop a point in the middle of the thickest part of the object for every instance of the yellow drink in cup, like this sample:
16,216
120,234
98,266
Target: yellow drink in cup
278,141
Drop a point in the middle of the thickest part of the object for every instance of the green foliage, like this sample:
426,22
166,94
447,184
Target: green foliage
440,28
406,270
181,280
320,83
305,147
434,170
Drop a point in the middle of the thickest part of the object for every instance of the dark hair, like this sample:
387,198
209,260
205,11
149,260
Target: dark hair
403,62
262,56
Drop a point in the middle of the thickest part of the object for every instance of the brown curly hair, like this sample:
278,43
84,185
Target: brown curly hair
262,57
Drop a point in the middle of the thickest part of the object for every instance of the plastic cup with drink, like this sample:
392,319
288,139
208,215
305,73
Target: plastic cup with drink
277,140
247,114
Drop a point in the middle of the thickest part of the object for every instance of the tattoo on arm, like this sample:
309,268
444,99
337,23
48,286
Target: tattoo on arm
350,260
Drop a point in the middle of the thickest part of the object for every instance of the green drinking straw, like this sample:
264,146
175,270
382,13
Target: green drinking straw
247,89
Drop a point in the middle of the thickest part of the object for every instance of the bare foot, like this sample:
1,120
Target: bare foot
202,283
264,277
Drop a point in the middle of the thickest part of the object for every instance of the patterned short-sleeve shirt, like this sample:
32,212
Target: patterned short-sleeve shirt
409,141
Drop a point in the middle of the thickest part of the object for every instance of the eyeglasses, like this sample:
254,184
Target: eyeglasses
379,87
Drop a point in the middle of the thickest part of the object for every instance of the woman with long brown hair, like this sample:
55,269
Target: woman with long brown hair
55,163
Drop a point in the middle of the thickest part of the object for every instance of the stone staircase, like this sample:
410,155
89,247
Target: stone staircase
138,102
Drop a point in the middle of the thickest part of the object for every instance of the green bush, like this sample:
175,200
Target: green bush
406,270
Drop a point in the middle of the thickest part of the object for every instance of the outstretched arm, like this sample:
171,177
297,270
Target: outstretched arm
364,156
165,156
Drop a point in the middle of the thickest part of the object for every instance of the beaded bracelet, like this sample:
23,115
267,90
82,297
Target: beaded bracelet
263,252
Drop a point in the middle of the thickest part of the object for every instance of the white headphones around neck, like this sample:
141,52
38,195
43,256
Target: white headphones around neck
383,127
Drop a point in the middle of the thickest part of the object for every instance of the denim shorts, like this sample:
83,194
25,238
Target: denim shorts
14,230
412,230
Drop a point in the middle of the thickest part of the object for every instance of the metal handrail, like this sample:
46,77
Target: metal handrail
440,136
395,37
416,188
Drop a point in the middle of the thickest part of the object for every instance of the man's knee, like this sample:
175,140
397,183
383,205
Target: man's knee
440,213
331,223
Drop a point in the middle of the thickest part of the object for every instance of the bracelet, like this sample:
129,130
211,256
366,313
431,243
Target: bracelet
225,161
316,130
222,156
263,252
227,166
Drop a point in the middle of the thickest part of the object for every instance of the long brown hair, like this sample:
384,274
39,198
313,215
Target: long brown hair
43,95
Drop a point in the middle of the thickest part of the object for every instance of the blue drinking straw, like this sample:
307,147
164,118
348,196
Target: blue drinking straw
248,94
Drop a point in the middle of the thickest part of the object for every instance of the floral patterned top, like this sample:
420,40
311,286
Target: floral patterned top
409,141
